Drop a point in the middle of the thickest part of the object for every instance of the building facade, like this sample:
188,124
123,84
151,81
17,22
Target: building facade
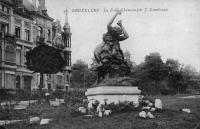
22,24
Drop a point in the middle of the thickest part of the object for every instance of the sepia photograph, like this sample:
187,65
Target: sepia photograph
99,64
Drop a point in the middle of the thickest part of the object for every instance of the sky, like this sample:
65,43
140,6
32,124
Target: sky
170,27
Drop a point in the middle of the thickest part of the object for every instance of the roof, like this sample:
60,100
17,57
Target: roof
28,5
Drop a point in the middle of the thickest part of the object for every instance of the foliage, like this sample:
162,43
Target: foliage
8,97
74,98
45,59
6,94
121,107
82,76
59,94
128,59
154,66
155,76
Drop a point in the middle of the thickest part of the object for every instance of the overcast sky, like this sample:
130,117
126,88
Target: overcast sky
174,31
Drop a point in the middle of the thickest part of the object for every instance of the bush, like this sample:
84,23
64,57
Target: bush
58,94
121,107
167,92
74,97
6,94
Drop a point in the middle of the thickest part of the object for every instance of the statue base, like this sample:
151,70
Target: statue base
114,94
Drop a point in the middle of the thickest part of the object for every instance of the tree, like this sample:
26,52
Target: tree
173,65
154,69
79,73
44,59
175,76
128,59
190,77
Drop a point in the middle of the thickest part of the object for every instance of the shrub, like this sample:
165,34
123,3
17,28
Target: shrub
74,97
167,92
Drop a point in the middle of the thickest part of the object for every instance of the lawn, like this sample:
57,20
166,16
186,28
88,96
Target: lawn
170,118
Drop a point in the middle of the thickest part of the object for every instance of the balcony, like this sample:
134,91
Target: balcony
7,37
24,41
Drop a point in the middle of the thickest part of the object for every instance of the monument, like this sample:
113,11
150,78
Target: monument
113,81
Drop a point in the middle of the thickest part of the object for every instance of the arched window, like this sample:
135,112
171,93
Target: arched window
10,53
40,31
18,82
49,35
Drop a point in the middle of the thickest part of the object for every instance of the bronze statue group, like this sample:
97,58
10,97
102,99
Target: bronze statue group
109,55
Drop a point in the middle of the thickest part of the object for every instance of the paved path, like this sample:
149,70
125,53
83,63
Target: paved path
191,97
24,104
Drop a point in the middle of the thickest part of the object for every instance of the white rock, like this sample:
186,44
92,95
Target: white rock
142,114
158,104
45,121
82,110
107,112
150,115
99,108
90,105
146,108
152,109
136,105
47,94
186,110
34,120
100,114
150,104
103,102
147,101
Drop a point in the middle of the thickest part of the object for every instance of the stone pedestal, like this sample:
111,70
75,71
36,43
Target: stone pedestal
114,94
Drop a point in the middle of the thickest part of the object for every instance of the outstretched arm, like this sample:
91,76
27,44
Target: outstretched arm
113,18
125,34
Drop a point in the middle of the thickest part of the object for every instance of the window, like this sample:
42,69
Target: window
18,79
3,29
59,80
25,51
49,35
10,81
39,31
4,8
18,56
10,53
49,76
17,32
27,34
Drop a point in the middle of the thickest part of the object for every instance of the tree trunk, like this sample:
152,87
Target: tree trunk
41,85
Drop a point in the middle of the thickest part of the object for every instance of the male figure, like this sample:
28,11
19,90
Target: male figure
112,37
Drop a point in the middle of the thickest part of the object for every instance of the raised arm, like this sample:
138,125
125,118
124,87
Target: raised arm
125,34
113,18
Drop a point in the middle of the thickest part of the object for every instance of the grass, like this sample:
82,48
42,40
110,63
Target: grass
170,118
